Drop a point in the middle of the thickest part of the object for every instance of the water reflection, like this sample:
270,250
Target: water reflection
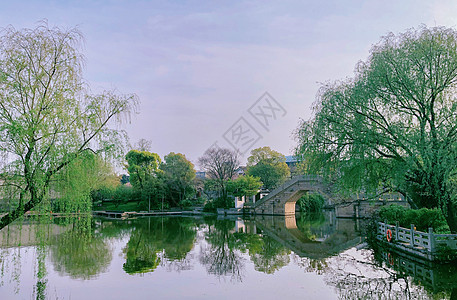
80,252
315,237
282,248
267,254
221,254
154,238
439,279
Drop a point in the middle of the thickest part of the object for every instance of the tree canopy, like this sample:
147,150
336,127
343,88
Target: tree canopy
47,115
179,174
142,165
244,186
393,126
221,165
269,165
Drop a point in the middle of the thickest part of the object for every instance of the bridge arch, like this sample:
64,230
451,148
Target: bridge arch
282,200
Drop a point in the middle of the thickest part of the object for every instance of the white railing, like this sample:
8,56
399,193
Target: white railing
418,239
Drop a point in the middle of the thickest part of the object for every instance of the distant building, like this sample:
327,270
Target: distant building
241,171
200,174
291,160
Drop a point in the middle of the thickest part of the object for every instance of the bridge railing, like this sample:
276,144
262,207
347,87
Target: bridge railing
426,240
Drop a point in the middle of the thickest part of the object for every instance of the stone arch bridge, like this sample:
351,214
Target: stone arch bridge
282,200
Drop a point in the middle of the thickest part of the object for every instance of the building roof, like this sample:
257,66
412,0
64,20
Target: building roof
291,159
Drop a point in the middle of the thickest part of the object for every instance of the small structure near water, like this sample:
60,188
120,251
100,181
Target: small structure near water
430,246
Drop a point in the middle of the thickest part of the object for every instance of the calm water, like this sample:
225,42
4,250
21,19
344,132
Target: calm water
209,258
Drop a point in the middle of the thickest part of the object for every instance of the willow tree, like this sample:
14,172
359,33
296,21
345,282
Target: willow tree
393,126
47,116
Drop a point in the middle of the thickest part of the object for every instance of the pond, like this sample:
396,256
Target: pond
317,257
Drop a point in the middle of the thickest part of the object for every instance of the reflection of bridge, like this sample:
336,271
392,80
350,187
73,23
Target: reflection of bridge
282,200
337,235
435,276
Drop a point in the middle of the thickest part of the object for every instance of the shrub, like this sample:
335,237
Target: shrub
311,203
186,203
210,207
119,198
423,218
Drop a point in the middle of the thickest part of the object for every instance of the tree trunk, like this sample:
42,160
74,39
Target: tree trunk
19,211
451,216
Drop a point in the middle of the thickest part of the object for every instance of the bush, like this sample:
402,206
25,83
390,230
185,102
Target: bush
186,203
311,203
118,198
209,207
423,218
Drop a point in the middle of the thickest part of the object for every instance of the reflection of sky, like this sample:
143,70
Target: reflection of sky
194,63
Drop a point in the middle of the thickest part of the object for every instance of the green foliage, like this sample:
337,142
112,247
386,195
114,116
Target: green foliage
122,198
244,186
74,184
141,254
186,203
79,252
152,237
311,223
393,125
211,188
267,254
266,155
270,166
178,177
128,206
214,204
311,203
210,206
423,218
141,165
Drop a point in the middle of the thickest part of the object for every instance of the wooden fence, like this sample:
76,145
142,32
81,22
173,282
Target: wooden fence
429,241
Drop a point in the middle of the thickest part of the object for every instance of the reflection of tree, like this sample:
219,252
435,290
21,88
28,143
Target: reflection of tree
79,252
159,240
41,285
357,276
175,238
313,225
221,256
362,279
437,278
114,229
267,254
141,254
318,266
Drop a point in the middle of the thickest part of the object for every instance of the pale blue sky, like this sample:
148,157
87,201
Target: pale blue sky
198,66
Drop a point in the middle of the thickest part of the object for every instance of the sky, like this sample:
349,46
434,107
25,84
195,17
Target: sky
238,74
